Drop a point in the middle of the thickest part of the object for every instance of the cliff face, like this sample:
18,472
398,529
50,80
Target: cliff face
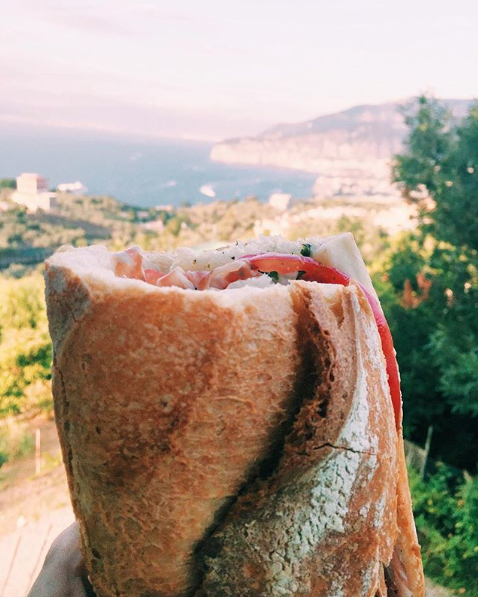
364,134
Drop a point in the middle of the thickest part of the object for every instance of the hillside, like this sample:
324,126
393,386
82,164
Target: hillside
28,238
362,137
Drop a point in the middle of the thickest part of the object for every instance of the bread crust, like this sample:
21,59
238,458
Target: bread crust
218,446
324,522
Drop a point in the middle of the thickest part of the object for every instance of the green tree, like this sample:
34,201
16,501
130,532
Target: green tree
439,172
8,183
431,295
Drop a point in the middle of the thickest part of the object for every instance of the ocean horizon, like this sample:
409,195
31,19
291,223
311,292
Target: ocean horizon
140,171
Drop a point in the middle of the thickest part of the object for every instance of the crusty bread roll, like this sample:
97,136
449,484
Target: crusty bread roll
235,443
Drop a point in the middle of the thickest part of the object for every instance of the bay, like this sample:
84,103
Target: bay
140,171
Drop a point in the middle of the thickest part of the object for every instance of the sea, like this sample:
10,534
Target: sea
140,171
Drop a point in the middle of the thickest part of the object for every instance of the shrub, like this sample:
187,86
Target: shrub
446,515
16,440
25,348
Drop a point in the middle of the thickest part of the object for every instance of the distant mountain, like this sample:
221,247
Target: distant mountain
362,134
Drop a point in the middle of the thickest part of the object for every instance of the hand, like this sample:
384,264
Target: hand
63,573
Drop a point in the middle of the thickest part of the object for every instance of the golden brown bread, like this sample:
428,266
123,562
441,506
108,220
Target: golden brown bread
234,443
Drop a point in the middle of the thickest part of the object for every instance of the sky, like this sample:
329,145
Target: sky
220,68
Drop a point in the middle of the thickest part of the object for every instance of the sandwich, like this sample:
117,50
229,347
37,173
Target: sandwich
231,421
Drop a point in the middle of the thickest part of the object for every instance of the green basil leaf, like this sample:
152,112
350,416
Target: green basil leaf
306,250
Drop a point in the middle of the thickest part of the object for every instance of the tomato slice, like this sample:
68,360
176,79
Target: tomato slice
389,354
317,272
288,264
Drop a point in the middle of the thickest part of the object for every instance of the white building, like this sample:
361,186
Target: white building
276,226
76,188
280,201
32,191
155,225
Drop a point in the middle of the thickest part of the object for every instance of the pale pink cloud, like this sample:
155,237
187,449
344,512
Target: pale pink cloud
111,18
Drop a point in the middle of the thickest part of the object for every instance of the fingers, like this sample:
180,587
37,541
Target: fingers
63,573
66,548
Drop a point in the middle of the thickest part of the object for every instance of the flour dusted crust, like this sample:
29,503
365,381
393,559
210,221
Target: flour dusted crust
234,443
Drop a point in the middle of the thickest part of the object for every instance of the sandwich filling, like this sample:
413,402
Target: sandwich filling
266,268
